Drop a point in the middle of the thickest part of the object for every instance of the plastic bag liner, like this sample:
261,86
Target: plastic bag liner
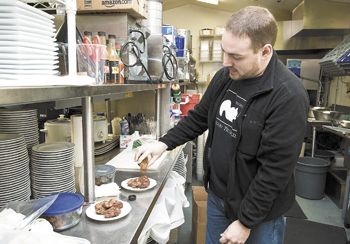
31,209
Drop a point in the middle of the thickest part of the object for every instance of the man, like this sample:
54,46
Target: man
255,110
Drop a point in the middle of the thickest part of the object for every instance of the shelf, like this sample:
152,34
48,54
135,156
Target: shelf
25,95
210,61
210,36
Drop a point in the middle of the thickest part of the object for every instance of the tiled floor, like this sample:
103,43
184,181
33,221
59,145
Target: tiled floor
322,211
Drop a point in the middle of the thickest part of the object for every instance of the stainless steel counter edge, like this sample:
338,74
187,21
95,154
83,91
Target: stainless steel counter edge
25,95
127,229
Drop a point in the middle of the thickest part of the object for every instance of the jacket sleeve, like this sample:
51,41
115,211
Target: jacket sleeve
196,123
279,149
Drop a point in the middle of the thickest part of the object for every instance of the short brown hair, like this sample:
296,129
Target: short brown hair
254,22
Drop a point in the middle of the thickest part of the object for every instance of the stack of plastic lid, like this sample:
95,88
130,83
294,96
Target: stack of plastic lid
14,169
52,168
23,122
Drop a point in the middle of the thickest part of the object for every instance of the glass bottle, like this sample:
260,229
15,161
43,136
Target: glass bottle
113,60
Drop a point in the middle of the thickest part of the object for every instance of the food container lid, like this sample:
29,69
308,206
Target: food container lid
60,120
65,202
101,170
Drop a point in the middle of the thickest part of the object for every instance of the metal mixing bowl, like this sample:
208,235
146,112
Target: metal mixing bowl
326,115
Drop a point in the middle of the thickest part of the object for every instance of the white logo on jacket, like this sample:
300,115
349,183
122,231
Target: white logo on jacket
230,112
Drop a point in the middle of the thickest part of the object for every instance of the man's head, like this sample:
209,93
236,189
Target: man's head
247,42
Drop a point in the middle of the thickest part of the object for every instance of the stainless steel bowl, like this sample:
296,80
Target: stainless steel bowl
326,115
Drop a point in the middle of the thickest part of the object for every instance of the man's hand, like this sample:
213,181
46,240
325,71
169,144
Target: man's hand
236,233
150,150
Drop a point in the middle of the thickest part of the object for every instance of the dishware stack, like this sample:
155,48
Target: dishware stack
14,169
52,168
109,145
27,43
336,62
23,122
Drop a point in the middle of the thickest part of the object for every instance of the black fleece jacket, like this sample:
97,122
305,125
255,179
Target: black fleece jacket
260,186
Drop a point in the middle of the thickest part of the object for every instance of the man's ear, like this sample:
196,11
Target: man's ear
267,50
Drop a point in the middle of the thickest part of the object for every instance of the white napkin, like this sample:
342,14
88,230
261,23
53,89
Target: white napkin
107,190
167,214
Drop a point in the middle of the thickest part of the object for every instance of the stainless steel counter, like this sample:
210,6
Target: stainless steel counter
127,229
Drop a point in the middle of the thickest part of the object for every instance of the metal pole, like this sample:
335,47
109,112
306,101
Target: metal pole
88,145
158,108
313,141
108,114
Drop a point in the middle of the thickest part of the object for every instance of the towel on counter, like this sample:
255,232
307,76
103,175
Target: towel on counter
39,231
107,190
167,213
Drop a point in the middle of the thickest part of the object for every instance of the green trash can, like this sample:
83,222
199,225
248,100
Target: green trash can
310,177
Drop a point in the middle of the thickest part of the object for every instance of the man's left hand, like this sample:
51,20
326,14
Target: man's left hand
236,233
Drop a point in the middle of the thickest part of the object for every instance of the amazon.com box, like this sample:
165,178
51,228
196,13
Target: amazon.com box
136,8
199,213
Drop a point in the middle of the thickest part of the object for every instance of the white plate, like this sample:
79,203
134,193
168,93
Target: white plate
24,16
14,22
17,50
32,45
37,31
19,6
91,213
15,35
19,56
152,183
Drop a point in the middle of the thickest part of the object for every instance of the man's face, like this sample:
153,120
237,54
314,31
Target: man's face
240,58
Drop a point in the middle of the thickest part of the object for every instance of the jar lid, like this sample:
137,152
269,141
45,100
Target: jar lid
65,202
99,118
101,170
60,120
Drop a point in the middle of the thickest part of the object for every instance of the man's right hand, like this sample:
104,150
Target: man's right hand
150,150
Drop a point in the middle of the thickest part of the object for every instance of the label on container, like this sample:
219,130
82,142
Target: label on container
114,71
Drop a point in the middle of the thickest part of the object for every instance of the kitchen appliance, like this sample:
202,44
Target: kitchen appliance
57,130
100,128
134,53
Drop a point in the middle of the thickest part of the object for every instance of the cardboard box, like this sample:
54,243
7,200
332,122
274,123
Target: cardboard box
199,213
136,8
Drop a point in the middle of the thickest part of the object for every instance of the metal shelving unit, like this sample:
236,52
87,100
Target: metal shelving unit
25,95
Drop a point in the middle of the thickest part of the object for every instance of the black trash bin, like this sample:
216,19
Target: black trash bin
310,177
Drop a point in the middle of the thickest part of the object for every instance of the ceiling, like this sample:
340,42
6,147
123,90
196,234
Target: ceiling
274,6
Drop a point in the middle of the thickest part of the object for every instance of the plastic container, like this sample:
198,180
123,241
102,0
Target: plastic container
310,177
180,45
189,101
91,60
66,211
104,174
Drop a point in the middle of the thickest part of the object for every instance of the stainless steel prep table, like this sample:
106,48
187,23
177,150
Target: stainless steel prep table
344,133
127,229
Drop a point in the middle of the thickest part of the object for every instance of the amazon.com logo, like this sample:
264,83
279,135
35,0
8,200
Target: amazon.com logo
112,3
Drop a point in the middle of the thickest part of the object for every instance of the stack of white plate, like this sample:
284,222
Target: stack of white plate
23,122
27,46
14,169
52,168
109,145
